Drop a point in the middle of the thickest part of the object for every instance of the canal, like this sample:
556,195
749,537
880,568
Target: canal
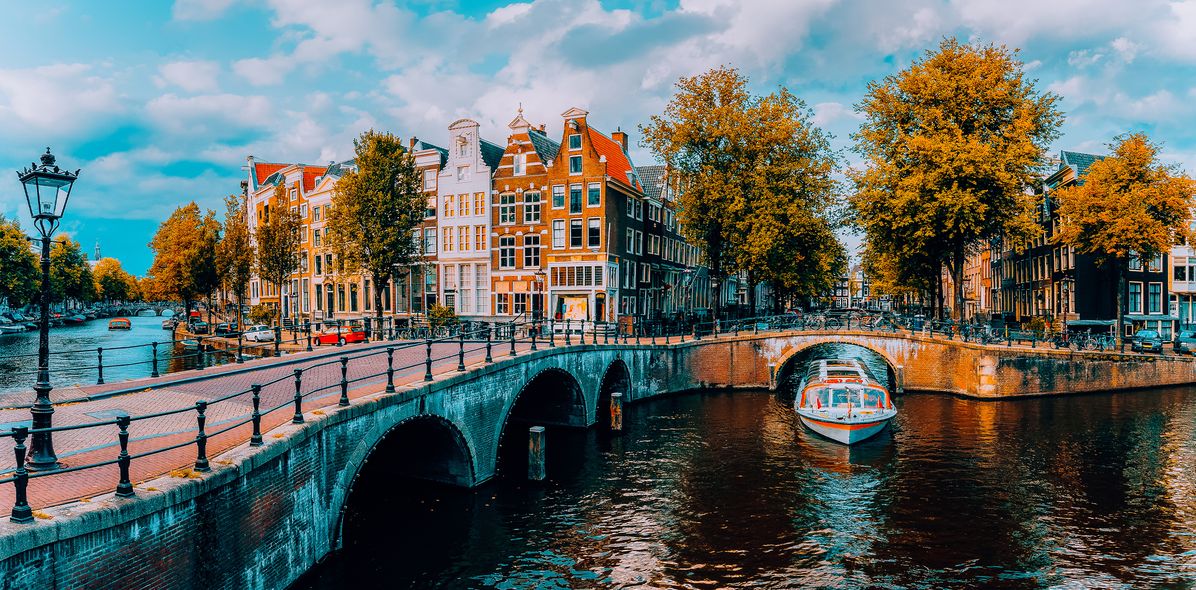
726,490
73,359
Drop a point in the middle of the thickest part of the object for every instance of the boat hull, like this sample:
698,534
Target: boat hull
845,432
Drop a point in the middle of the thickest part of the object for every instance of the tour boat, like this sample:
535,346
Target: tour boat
120,324
840,400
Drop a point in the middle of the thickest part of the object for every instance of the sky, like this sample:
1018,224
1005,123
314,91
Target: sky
159,103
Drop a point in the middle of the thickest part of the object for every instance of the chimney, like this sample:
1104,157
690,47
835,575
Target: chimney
413,140
620,137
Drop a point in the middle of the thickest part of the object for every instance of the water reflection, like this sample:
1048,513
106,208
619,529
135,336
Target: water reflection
726,490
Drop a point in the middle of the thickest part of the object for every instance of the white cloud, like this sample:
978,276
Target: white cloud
56,99
191,76
200,10
268,71
210,114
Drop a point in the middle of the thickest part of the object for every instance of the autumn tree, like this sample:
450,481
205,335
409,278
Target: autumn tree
112,282
950,145
20,276
177,248
236,252
374,210
70,275
277,239
1127,204
759,181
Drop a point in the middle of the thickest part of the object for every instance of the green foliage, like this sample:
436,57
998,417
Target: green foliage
1039,326
20,277
950,145
70,275
112,283
261,314
235,254
278,240
441,315
374,210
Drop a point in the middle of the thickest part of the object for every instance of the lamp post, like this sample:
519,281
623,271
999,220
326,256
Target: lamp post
47,189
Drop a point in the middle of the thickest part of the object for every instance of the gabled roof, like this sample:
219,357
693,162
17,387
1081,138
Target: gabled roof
338,169
263,170
421,145
618,163
310,175
491,153
1079,161
653,178
545,147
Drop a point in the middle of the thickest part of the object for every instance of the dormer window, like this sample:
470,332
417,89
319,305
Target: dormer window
575,141
462,146
462,172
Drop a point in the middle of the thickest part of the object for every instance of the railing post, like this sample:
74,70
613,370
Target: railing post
428,362
697,335
390,369
255,440
307,331
277,339
100,365
551,334
201,437
21,512
240,357
605,333
199,351
298,417
638,329
461,350
489,333
154,369
534,331
344,381
653,335
666,336
567,326
338,333
593,332
124,488
512,338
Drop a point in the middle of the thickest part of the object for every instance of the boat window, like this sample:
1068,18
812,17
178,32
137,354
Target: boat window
840,396
872,398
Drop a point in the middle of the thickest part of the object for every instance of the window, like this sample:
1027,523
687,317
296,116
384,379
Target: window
520,303
506,209
1135,262
531,251
319,265
446,239
594,196
575,198
315,237
594,232
429,240
520,164
1135,298
639,242
1155,298
645,272
575,233
531,207
430,210
429,180
1156,263
630,241
502,303
506,252
462,146
463,210
558,197
450,208
630,206
558,233
462,172
479,238
479,203
654,245
315,213
639,210
574,164
575,141
463,237
303,210
294,194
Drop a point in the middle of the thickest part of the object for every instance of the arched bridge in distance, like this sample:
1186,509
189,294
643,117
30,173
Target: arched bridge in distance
265,514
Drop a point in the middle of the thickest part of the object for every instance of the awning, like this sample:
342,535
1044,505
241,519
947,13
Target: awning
1154,317
1091,323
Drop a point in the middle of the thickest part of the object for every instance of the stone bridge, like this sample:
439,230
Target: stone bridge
264,515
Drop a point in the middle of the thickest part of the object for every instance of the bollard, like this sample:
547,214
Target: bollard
637,329
535,329
100,365
124,488
201,438
154,370
512,338
277,339
298,417
428,362
461,351
489,331
567,322
390,369
551,335
338,333
616,412
240,358
307,330
605,334
255,440
535,453
344,382
653,335
21,512
696,335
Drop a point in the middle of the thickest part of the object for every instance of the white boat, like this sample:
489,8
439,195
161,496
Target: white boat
840,400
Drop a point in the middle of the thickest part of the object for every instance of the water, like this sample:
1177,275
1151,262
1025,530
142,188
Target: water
17,373
726,490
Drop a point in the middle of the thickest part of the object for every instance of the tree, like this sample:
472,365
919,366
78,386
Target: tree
278,242
180,255
204,265
112,283
235,255
374,210
70,275
950,145
1128,204
20,276
758,180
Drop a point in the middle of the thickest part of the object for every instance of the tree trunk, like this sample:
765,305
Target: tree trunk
378,302
751,293
1120,265
957,281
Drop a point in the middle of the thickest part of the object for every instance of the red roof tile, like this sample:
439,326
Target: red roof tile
263,170
310,173
618,164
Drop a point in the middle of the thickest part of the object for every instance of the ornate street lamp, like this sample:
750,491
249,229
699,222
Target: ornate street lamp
47,189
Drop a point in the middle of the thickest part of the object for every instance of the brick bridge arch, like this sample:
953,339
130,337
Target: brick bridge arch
783,365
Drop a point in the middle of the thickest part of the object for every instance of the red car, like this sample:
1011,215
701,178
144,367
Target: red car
346,335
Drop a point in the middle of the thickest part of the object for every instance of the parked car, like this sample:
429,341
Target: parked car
345,335
259,333
226,329
1146,341
199,327
1185,342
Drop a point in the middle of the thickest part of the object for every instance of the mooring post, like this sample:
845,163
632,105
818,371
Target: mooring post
344,401
255,440
535,453
298,417
900,378
124,488
390,369
201,437
616,411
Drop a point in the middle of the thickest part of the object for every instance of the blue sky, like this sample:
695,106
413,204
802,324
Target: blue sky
159,103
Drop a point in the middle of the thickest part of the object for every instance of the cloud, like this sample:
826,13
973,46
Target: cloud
213,115
56,100
200,10
191,76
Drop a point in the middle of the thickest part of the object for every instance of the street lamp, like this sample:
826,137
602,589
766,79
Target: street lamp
47,189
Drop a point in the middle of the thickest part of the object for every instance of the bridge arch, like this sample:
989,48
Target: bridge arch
552,397
424,446
787,364
616,377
